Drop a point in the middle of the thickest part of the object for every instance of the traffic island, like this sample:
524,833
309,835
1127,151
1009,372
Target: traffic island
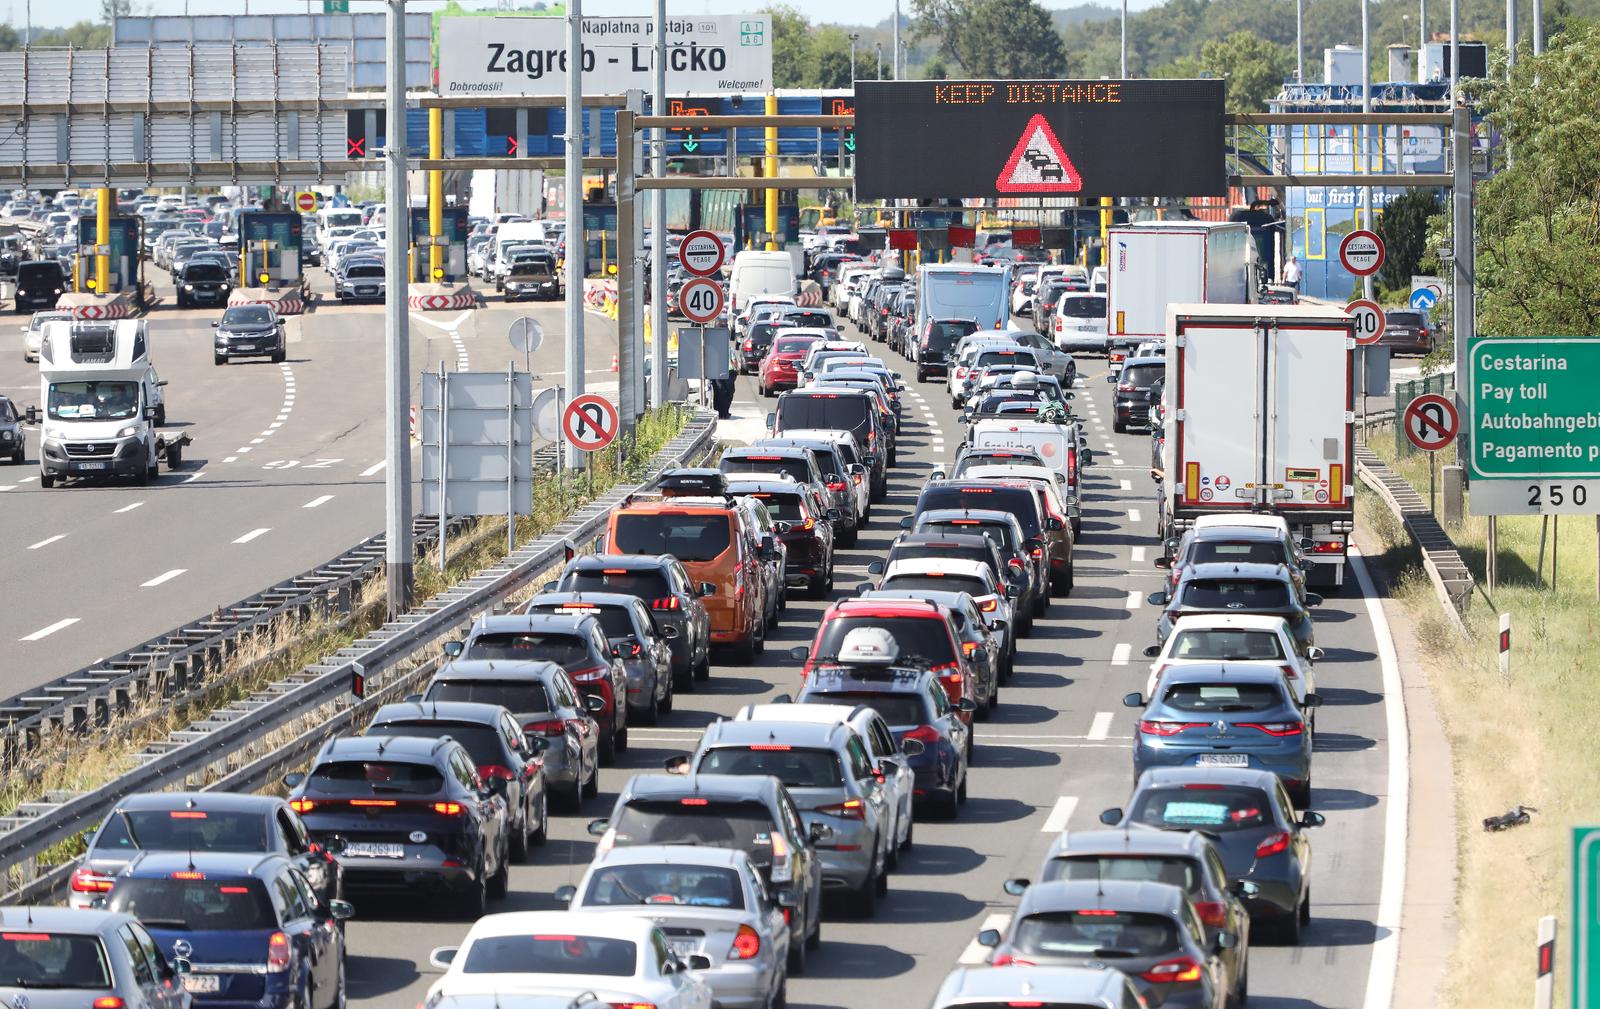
441,297
84,305
285,300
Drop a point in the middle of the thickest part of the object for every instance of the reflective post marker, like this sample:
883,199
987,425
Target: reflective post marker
1544,978
1504,645
771,171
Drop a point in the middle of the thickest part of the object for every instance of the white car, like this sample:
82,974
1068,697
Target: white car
748,310
33,332
1022,296
1079,322
711,902
1248,638
620,958
1081,987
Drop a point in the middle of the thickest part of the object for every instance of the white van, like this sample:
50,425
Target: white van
760,273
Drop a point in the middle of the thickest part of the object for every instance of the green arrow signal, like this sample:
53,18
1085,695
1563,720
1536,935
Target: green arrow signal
690,144
850,141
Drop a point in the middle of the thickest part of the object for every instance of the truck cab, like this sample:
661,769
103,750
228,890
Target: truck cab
103,403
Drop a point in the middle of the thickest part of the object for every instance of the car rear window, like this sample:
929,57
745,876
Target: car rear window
795,344
911,551
364,272
896,708
184,829
944,335
799,469
644,583
999,534
935,581
827,411
1175,870
688,536
1227,645
615,621
34,959
1235,594
715,823
783,506
483,743
521,697
926,638
561,647
1237,552
1078,307
1019,501
1210,808
1142,376
656,885
196,905
818,320
365,777
1222,697
795,766
551,954
988,357
1403,318
39,273
1097,933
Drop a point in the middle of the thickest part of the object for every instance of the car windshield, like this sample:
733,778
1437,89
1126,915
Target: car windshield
897,709
1238,552
564,648
1227,645
41,959
1236,594
204,271
551,954
197,905
793,466
782,506
247,315
795,766
715,823
483,743
1093,932
693,885
365,271
926,638
1082,307
521,696
1212,809
1174,870
93,400
363,777
644,583
935,581
184,830
1203,698
688,536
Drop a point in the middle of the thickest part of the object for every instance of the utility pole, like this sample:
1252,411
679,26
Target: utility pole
853,37
879,46
658,222
1422,34
1511,37
397,547
1125,39
1455,51
894,68
1538,27
577,245
1364,132
1299,42
1463,305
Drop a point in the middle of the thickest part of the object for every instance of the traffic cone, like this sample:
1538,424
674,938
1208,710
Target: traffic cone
613,362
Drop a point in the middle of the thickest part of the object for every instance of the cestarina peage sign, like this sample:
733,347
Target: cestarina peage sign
528,55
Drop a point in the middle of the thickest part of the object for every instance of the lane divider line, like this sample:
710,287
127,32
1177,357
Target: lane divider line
45,632
1121,653
1100,728
318,502
1056,822
375,468
252,534
1135,600
1133,513
1127,484
163,578
127,508
195,476
1136,555
46,542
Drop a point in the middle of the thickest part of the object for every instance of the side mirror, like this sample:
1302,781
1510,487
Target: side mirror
907,522
875,568
335,845
1158,598
819,832
676,765
1226,940
966,704
669,631
594,704
566,894
1310,819
33,415
548,587
1133,700
1054,524
1111,379
149,413
341,910
1163,562
294,779
913,747
1307,544
856,469
1086,456
989,937
1314,653
698,961
800,653
496,786
786,899
1152,651
833,478
1111,817
443,956
1312,599
1015,886
706,589
616,651
1012,592
597,828
535,743
453,649
782,699
782,526
999,625
181,966
1244,888
413,698
216,323
833,515
772,421
1313,700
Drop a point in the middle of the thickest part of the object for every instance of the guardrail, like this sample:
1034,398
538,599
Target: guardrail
1452,582
235,747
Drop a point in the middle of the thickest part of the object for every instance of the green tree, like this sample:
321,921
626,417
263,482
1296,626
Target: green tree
994,38
1403,226
791,46
1253,68
828,65
935,70
110,9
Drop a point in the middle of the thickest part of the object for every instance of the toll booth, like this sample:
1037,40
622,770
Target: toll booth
750,225
453,236
599,239
125,247
269,245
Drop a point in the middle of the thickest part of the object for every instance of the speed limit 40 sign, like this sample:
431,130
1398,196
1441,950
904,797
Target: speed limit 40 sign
1369,321
700,301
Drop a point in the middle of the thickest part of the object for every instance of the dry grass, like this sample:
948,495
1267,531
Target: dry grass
1518,739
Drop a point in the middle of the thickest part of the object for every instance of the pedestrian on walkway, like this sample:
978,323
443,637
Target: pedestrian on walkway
1291,272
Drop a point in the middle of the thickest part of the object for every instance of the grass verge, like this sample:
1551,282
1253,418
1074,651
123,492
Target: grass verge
1517,739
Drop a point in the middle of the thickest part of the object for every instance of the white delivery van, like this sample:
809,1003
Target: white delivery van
979,293
1160,263
757,273
1059,445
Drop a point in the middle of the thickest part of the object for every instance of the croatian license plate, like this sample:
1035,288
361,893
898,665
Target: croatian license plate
91,465
244,347
685,947
202,983
360,850
1222,760
366,290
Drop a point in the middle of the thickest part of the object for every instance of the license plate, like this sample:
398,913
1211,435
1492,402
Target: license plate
360,850
202,983
685,947
244,346
366,290
1222,760
91,465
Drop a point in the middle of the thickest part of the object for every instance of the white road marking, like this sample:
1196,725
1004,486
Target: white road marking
8,486
1100,728
273,426
28,479
127,508
1133,515
163,578
231,458
317,502
1115,461
374,468
1136,555
49,540
195,476
1135,600
1120,654
45,632
976,954
1127,485
446,326
243,448
1056,822
252,534
257,441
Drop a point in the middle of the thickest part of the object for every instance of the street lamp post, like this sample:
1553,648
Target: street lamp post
853,37
894,62
879,47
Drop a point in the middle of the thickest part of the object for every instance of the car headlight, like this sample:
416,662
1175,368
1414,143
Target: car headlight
127,432
188,287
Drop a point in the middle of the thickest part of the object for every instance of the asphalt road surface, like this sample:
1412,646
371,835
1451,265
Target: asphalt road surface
1054,754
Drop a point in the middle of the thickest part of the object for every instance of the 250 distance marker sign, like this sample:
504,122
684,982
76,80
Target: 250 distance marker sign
1534,426
957,139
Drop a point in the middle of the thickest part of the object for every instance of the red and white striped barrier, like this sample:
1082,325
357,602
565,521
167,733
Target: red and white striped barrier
291,302
438,302
98,307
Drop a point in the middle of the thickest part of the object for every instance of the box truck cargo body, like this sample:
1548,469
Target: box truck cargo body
1162,263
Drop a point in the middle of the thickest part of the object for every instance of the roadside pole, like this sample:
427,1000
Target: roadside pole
397,546
771,172
435,198
102,242
577,245
658,222
1544,983
1463,305
628,334
1363,146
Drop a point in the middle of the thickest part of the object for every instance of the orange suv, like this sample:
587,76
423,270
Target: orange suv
716,539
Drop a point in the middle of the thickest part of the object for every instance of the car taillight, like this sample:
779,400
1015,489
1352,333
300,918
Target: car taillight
782,866
961,372
1058,324
1329,547
1212,912
746,945
749,345
633,1005
1275,728
1007,960
857,478
1177,971
1124,386
969,648
849,809
1274,844
989,604
495,771
549,727
1014,562
88,881
447,808
1037,552
277,953
588,674
302,805
923,734
837,485
1150,727
108,1002
666,603
633,649
1289,673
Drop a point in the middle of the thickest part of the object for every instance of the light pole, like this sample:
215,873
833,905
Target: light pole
853,37
1124,39
894,63
1299,42
879,47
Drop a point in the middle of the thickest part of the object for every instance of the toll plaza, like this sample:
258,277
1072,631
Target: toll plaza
452,263
127,265
270,259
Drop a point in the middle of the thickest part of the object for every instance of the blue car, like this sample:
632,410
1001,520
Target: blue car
1221,715
245,931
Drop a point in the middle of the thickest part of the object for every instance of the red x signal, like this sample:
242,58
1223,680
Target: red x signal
355,147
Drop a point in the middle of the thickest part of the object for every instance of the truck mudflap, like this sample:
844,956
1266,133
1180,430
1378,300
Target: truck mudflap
170,448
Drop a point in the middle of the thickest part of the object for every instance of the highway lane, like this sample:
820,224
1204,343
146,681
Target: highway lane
1054,754
286,472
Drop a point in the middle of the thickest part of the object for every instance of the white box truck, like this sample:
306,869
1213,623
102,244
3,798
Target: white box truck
1259,405
950,291
1160,263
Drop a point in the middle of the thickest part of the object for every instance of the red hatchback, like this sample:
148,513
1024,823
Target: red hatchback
922,630
780,369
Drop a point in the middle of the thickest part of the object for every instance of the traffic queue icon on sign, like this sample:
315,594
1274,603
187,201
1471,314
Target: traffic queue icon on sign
1039,164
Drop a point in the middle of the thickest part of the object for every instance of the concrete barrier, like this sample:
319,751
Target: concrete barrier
83,305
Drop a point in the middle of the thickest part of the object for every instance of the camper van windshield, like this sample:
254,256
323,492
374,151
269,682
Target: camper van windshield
93,400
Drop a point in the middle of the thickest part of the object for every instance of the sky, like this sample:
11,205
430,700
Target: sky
57,13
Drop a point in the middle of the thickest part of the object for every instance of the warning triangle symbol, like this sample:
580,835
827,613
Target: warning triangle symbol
1039,164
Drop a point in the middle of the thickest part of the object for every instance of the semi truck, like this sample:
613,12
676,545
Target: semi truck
1158,263
1258,410
103,404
